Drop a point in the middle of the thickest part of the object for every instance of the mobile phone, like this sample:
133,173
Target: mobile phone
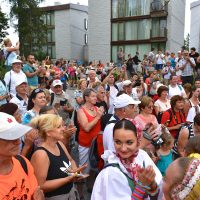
63,102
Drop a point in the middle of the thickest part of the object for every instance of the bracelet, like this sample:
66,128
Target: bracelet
138,193
143,186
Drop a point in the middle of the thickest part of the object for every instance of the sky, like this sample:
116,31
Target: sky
14,36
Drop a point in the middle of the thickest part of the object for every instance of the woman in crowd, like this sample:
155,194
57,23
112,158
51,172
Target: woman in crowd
11,109
36,101
174,117
89,123
192,107
53,166
78,94
10,52
130,172
182,180
163,103
145,117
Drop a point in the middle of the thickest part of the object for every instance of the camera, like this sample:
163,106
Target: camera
63,102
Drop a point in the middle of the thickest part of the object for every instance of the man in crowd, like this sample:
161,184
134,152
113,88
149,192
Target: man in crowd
124,107
21,98
60,101
31,72
174,88
13,76
188,66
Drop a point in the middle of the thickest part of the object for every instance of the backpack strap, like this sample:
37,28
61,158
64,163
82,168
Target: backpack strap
8,55
116,87
9,84
23,163
130,180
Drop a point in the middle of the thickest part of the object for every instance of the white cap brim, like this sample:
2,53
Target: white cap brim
15,132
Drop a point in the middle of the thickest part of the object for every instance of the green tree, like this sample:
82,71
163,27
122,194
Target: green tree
30,26
3,25
187,42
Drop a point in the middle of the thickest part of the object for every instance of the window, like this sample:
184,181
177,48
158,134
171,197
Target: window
50,19
121,31
114,31
131,49
86,39
132,30
114,8
158,27
121,8
86,24
51,35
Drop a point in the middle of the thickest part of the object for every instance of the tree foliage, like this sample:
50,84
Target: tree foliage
3,25
30,26
187,42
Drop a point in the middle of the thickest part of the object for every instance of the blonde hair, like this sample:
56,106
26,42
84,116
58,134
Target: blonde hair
80,82
145,101
46,123
6,41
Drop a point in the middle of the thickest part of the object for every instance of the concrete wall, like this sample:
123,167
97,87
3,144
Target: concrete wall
62,34
175,25
99,34
77,31
195,25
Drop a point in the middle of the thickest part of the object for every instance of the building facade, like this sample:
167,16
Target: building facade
67,31
134,25
195,25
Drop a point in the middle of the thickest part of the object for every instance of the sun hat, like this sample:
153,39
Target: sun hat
10,129
16,61
56,82
126,83
124,100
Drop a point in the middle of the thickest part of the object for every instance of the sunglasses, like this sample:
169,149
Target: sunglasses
38,90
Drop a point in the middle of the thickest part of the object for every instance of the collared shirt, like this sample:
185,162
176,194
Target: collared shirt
188,70
21,103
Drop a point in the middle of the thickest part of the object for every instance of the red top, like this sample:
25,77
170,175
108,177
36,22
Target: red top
178,119
85,138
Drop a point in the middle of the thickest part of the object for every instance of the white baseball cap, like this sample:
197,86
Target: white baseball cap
20,82
16,61
57,82
124,100
10,129
126,83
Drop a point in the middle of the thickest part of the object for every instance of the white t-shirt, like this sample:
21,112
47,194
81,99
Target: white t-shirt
14,77
22,105
162,106
159,59
179,65
177,90
108,142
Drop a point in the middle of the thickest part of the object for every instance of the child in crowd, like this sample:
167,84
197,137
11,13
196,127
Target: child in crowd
164,153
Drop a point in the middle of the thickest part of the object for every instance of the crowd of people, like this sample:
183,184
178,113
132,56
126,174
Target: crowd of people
133,131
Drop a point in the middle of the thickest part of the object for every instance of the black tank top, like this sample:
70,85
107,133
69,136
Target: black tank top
54,171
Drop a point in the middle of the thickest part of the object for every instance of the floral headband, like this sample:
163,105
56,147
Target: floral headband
190,179
138,128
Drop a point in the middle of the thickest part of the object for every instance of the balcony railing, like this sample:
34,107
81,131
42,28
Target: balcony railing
158,8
